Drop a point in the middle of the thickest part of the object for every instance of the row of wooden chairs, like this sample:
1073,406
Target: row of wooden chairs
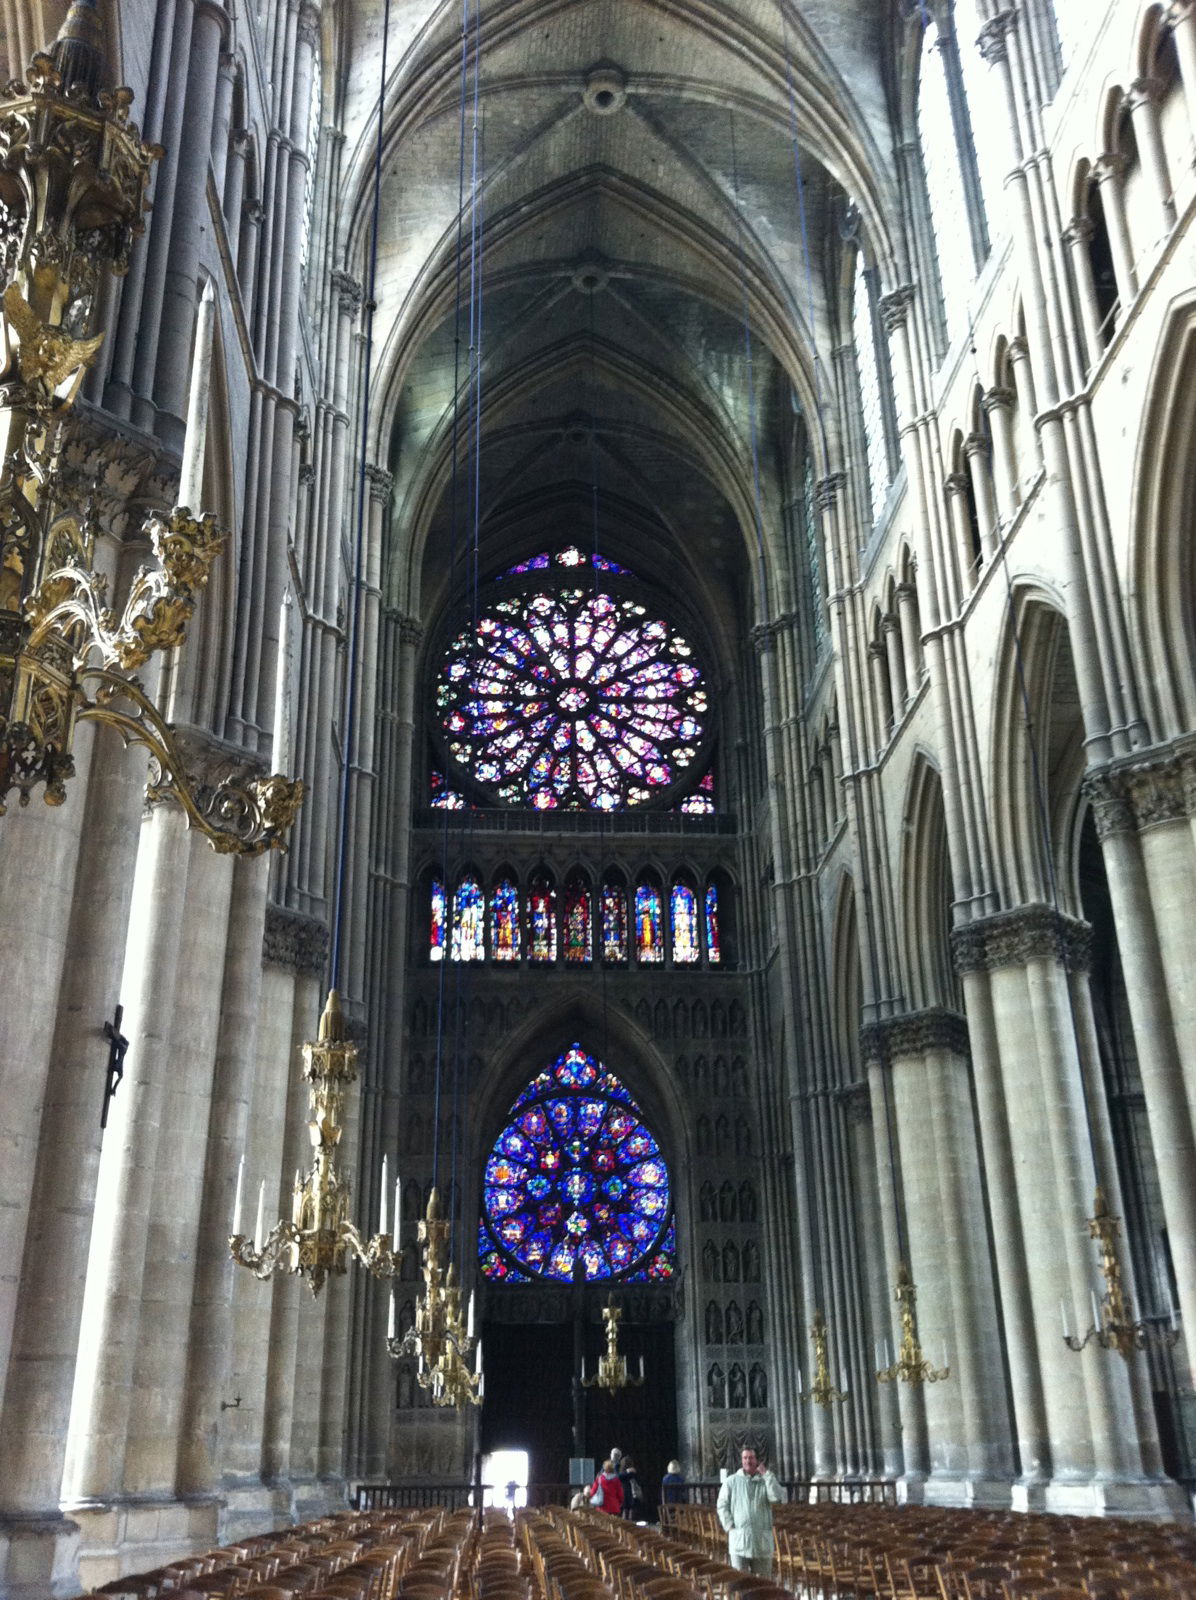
931,1553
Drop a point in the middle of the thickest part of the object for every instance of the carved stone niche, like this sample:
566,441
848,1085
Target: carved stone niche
293,939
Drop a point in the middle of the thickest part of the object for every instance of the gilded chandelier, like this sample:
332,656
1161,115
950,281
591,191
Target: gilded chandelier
822,1391
612,1373
318,1237
439,1339
911,1366
73,177
1114,1326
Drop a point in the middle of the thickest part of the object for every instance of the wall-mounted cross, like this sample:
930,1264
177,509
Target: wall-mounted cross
117,1045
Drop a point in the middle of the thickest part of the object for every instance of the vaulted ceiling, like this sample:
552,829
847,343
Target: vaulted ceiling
649,274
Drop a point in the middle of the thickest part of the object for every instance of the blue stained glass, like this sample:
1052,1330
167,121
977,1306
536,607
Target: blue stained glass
439,917
713,945
570,556
468,941
541,921
573,699
683,915
504,922
444,798
649,935
575,1181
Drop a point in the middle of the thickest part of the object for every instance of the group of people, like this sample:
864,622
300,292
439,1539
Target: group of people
745,1503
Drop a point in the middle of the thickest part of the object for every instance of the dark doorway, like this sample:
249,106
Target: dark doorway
529,1399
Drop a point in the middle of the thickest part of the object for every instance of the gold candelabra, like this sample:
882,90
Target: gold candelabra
318,1237
612,1373
911,1365
439,1339
73,176
822,1392
1114,1326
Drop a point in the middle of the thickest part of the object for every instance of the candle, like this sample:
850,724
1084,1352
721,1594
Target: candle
801,1388
1063,1319
583,1369
1174,1324
944,1355
469,1315
241,1182
641,1366
477,1357
390,1319
382,1228
259,1232
1096,1316
843,1379
888,1353
398,1212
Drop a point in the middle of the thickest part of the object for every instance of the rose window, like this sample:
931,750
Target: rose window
572,699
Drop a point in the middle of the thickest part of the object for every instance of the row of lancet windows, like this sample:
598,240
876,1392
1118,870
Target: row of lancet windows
509,924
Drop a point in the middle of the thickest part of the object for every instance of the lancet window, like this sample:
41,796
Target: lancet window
649,923
541,918
576,1182
614,920
505,942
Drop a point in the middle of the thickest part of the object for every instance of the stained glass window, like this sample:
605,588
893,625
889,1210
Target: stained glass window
541,919
468,941
576,1180
714,952
649,932
577,922
701,801
444,798
439,918
504,922
570,556
572,699
614,921
683,920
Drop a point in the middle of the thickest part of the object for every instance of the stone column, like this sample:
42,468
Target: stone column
911,642
1143,102
1078,239
998,404
1108,173
977,453
1181,14
891,630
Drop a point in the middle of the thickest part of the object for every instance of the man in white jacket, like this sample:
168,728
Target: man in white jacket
745,1504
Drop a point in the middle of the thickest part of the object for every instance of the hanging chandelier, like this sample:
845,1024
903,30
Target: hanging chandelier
911,1366
73,176
318,1238
612,1374
439,1339
1114,1326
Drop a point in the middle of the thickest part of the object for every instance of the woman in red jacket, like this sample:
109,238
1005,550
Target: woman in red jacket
606,1492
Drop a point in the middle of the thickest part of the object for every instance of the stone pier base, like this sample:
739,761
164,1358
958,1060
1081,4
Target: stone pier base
39,1557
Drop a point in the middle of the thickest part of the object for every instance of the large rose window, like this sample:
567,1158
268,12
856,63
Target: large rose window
576,1181
572,698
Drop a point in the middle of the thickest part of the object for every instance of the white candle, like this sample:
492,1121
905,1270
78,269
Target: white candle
259,1232
477,1357
1174,1324
641,1366
801,1388
1096,1316
843,1379
469,1315
1063,1319
888,1353
398,1212
390,1319
241,1182
583,1369
382,1229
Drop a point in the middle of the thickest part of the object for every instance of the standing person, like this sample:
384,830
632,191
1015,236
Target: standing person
745,1504
672,1485
606,1492
633,1491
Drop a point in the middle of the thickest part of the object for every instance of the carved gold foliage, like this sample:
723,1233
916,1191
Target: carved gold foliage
47,356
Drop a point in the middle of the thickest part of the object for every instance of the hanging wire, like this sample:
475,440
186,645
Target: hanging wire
348,735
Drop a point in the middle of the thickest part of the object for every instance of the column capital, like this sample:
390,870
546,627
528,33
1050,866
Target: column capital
993,38
241,139
764,638
1108,167
906,591
1019,348
293,939
955,483
309,26
1028,933
349,292
411,630
307,473
1177,12
1079,231
894,307
998,398
1141,792
889,623
976,445
1143,92
381,483
916,1033
856,1102
876,650
826,490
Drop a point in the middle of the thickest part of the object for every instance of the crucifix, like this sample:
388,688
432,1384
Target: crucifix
117,1045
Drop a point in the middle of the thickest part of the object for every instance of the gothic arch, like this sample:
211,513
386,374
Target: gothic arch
927,893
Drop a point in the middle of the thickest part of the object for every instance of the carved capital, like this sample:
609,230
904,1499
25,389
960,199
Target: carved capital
955,483
1110,166
764,638
1013,938
894,307
411,631
381,483
240,139
889,623
998,398
917,1033
1144,792
307,474
1178,12
826,490
309,27
907,592
993,38
349,291
293,939
1079,231
1142,92
976,445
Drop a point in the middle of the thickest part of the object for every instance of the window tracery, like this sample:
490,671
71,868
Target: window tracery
576,1182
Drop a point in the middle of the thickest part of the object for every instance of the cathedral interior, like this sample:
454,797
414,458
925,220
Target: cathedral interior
597,712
